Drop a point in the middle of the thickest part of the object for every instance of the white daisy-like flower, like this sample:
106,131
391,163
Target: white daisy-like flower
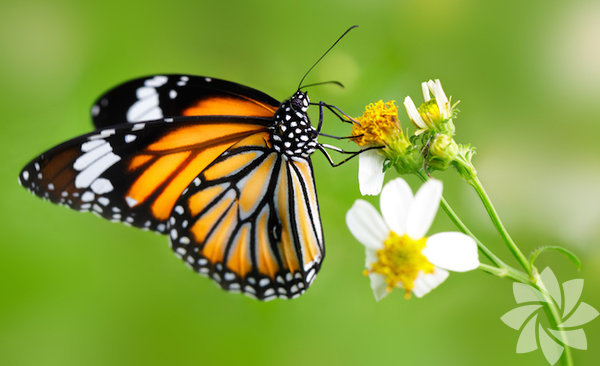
428,114
398,254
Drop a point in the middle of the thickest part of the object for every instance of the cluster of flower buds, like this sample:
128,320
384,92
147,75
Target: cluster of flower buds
431,147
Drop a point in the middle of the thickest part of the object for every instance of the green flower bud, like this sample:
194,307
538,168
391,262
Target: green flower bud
443,151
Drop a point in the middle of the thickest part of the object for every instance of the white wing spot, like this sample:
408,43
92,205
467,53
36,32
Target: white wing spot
94,170
107,133
131,201
87,196
101,185
96,151
129,138
138,126
92,144
158,80
173,94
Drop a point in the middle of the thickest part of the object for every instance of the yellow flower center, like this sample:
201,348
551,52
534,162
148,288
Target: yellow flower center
378,125
430,113
400,261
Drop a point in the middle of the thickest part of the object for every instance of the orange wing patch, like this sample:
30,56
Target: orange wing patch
304,224
203,226
230,107
266,262
200,200
239,256
253,186
173,161
199,136
230,166
286,247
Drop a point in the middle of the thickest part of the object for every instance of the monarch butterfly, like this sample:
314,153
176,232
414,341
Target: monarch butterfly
223,169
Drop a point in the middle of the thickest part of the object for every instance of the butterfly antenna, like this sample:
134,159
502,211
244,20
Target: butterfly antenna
326,52
322,83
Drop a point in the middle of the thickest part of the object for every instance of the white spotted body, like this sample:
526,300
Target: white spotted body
292,134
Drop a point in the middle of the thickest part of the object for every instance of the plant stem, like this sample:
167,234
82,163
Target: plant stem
463,228
555,320
476,184
505,272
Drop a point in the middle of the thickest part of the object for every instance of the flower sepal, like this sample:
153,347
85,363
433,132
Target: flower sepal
463,162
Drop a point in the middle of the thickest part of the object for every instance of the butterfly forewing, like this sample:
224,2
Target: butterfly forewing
250,221
135,172
173,95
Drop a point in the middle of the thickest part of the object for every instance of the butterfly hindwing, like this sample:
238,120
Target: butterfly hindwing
171,95
135,172
251,222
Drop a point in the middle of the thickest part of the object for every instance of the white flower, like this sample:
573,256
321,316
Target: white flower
435,87
429,114
397,252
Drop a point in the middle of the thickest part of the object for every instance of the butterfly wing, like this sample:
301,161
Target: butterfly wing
135,172
162,96
251,222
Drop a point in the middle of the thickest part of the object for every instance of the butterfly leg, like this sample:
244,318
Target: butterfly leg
336,111
322,148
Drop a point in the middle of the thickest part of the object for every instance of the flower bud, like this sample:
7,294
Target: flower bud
442,152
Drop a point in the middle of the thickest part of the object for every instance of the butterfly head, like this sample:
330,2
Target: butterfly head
299,101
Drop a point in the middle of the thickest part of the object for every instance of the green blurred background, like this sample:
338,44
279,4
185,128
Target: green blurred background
77,290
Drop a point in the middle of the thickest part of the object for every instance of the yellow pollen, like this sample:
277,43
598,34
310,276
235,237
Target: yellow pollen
378,124
400,262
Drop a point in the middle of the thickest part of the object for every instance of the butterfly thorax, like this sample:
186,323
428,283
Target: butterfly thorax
292,134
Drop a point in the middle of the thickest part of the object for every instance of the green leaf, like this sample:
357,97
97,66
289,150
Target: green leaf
569,254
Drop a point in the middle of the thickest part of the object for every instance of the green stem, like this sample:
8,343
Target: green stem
555,320
505,272
463,228
475,183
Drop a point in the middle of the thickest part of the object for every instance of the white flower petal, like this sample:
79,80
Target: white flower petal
440,94
366,225
378,286
370,172
413,113
427,282
423,209
425,88
440,97
453,251
395,202
370,257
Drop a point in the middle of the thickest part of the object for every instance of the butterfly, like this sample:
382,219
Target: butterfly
223,169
